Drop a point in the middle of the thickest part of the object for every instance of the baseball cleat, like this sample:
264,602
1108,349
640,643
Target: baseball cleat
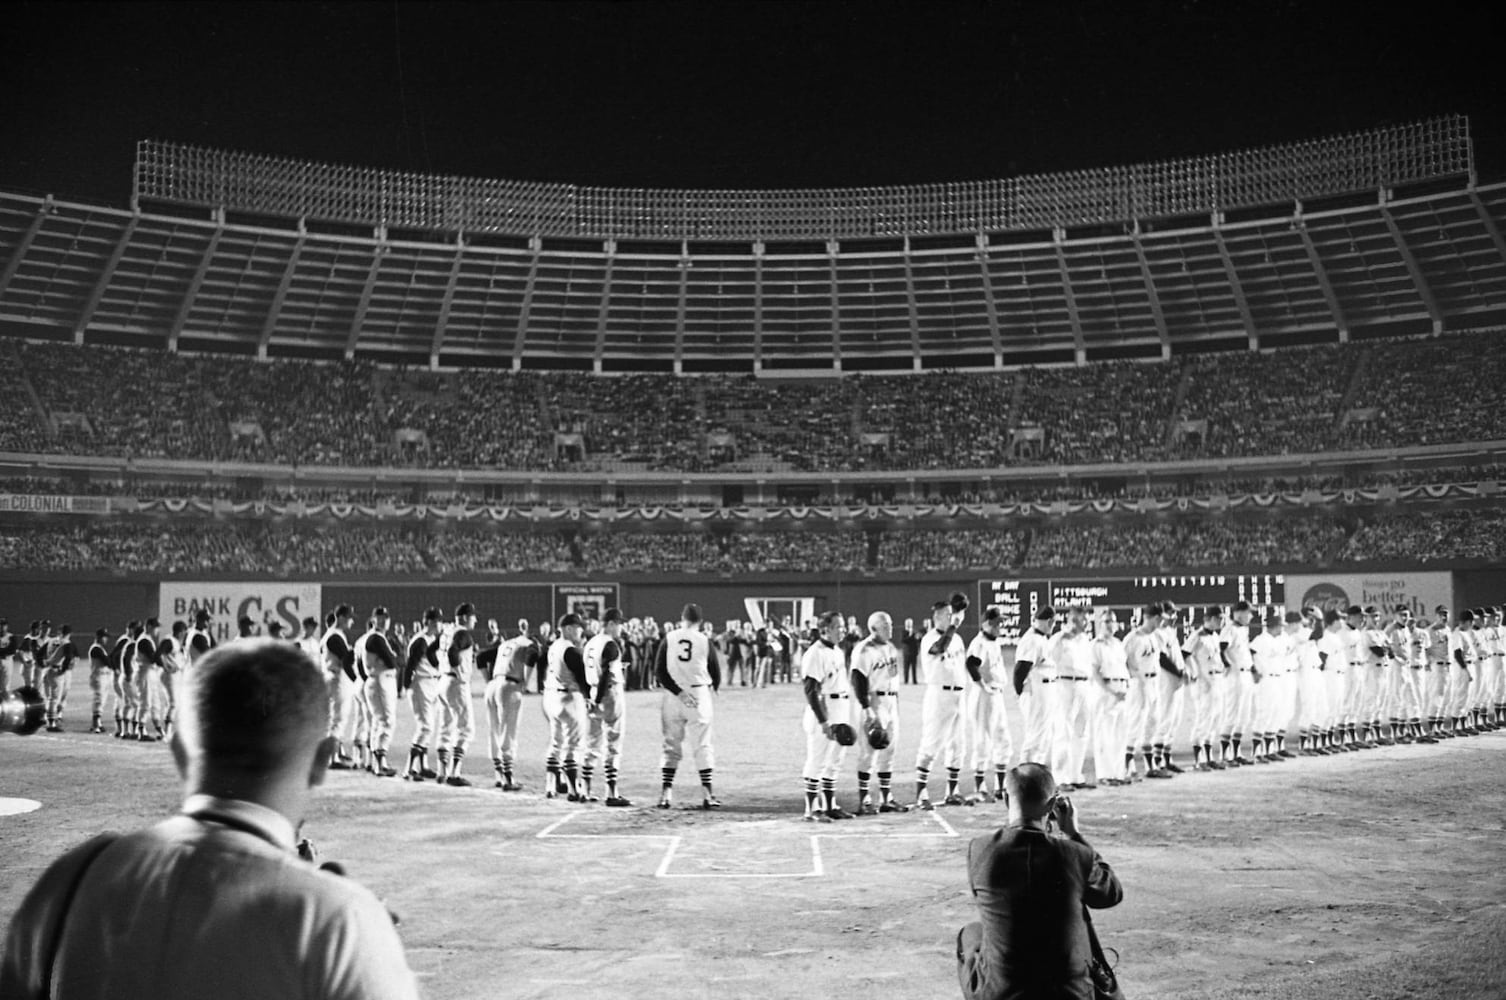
894,807
838,813
617,801
868,809
952,800
1086,786
711,802
664,803
341,765
924,805
1173,768
427,774
456,781
550,793
384,772
1161,772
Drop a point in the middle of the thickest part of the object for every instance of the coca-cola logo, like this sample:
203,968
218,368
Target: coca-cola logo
1325,596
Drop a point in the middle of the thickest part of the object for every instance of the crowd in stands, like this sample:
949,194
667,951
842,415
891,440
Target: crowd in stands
1430,536
1317,537
1376,394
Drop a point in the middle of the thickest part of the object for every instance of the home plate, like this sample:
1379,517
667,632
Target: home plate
15,807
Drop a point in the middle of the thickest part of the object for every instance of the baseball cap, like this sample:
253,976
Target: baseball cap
1466,615
1169,608
1274,618
1043,615
1371,609
1242,606
201,617
992,613
569,619
1440,610
464,609
380,611
1213,611
152,623
101,633
433,614
1294,617
1354,609
1402,607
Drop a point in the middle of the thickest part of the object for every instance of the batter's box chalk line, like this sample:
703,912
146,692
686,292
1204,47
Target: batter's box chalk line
674,842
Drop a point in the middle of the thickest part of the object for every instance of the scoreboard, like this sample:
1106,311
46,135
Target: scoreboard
1021,598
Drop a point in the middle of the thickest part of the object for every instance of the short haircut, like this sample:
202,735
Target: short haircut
1151,611
611,615
877,617
464,609
311,622
254,705
433,614
1331,616
345,611
1031,786
691,613
828,617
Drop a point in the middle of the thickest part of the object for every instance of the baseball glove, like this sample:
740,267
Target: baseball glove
959,601
878,736
844,734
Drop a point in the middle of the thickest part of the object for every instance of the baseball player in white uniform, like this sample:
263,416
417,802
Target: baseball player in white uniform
504,703
381,662
990,743
1071,649
566,690
942,654
874,674
1203,652
1275,661
690,674
1493,670
1239,683
1312,690
1406,658
1177,679
173,654
457,665
1035,685
420,679
1107,697
57,677
607,677
823,673
1462,675
1333,652
340,679
308,642
99,679
149,682
1142,656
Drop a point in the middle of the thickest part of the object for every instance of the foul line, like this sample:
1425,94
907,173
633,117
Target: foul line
673,842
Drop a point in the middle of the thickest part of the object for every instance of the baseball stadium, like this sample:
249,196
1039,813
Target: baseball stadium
1254,391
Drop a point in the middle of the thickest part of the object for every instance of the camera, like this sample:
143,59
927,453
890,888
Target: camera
22,711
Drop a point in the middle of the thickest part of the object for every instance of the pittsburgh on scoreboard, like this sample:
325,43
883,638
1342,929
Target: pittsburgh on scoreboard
1020,598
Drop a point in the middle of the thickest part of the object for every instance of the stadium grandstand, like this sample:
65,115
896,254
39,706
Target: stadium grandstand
1285,357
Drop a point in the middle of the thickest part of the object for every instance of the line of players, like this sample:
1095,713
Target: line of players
1349,680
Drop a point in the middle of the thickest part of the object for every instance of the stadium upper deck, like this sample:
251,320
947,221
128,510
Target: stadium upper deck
1383,231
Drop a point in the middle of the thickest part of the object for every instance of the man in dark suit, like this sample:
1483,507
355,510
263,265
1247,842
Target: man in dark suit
1031,886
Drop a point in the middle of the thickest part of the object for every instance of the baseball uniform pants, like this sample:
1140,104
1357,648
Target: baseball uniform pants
886,710
1460,682
381,695
1172,699
1140,715
1203,696
566,712
1109,719
1042,719
342,705
1241,685
941,725
55,687
823,755
148,695
423,696
604,733
101,688
1312,698
990,744
679,723
457,721
504,702
1071,750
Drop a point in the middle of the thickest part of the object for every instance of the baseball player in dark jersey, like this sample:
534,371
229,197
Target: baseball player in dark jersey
120,680
420,677
58,677
605,675
100,680
457,663
687,669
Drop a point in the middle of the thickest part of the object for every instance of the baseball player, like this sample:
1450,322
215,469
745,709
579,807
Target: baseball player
1071,649
504,700
1405,660
120,676
340,678
148,677
31,646
361,742
566,691
607,679
1142,656
1035,686
173,655
1273,657
1492,679
1203,650
308,642
690,674
1312,690
1107,694
57,679
201,639
1177,678
420,678
99,679
9,644
942,655
823,673
1436,682
990,742
873,675
375,650
1333,653
1461,651
1239,682
457,665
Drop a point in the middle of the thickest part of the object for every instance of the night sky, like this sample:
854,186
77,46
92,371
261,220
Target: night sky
724,94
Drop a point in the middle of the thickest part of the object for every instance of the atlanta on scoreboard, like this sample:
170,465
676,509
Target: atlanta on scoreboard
1021,598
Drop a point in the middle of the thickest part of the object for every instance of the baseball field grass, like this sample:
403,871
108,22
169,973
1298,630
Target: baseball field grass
1377,875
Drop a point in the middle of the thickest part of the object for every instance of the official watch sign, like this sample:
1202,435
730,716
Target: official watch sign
227,603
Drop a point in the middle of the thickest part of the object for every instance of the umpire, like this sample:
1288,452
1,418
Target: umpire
1032,886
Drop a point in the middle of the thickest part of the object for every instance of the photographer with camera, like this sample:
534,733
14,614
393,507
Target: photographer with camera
1034,940
216,902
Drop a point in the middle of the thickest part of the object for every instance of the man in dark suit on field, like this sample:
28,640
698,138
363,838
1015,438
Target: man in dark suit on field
1031,886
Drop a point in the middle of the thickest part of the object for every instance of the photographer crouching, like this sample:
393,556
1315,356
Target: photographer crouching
1034,941
215,902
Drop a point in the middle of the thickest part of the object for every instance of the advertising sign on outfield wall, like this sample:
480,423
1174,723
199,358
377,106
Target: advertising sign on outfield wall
1422,592
262,602
589,600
